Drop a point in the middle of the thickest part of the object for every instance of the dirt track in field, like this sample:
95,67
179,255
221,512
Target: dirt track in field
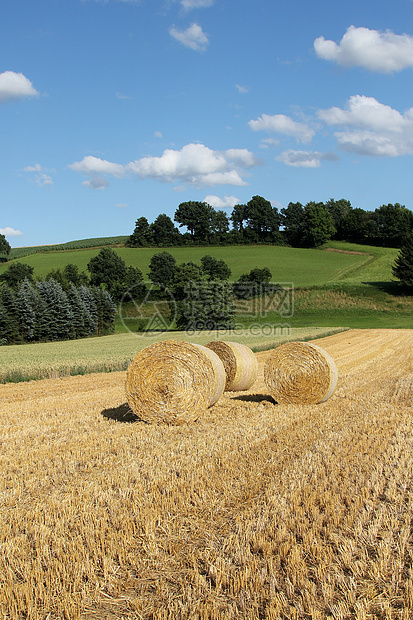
256,511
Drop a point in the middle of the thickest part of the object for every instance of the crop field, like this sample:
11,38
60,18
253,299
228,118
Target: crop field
109,353
256,511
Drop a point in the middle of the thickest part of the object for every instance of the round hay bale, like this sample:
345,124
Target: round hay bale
300,373
240,363
219,374
173,382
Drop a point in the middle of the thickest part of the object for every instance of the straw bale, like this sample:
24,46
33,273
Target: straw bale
173,382
300,373
240,363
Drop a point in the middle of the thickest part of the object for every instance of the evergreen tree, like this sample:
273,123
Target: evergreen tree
403,266
78,309
90,309
26,311
61,316
8,302
4,327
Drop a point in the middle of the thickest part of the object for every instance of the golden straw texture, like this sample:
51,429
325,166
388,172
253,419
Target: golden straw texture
300,373
173,382
219,373
240,363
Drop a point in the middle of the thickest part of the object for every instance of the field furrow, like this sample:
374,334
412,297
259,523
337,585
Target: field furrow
258,510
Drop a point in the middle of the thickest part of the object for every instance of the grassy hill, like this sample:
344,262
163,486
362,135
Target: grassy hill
303,267
337,285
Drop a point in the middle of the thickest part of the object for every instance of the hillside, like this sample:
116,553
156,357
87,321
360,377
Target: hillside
336,262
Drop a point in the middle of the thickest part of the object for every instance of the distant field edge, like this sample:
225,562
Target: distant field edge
114,353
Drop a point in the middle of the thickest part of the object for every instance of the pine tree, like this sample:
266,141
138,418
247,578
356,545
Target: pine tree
61,315
26,310
90,309
403,266
8,302
78,311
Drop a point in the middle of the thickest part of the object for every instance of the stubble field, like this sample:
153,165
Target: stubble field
258,510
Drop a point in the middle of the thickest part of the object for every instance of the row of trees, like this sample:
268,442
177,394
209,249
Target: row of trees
44,311
258,221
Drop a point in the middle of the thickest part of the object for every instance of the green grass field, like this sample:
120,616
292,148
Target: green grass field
302,267
338,286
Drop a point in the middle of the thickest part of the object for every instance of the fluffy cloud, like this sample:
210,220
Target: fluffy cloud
95,166
305,159
10,232
196,4
194,164
360,47
279,123
371,128
193,37
241,89
221,203
15,86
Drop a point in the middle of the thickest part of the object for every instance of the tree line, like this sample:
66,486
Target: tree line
44,311
258,221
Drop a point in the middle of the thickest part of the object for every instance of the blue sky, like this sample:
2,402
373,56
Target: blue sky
112,110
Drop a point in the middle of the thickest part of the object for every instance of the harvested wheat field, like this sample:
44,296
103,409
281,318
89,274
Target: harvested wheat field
257,510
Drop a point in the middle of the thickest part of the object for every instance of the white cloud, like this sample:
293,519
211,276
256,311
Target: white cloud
221,203
95,165
371,128
158,134
360,47
10,232
279,123
15,86
193,37
96,183
122,96
305,159
35,168
267,142
241,89
42,177
196,4
194,164
121,205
